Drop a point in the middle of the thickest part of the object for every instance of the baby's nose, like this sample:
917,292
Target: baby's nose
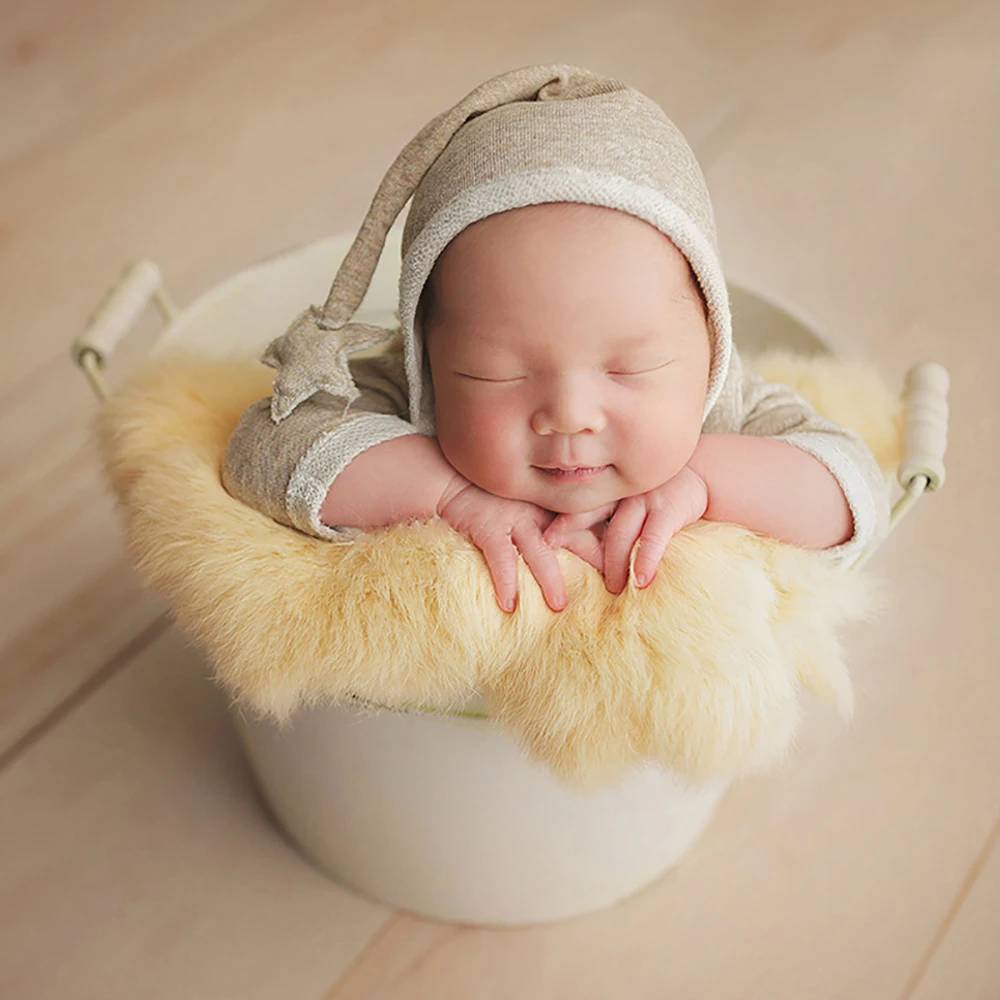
571,406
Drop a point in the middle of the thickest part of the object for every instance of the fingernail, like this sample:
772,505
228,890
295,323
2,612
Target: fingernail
640,579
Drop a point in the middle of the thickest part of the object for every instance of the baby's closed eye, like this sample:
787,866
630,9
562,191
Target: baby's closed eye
629,370
484,378
624,370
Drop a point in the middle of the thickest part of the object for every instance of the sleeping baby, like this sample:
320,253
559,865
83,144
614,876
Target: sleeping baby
563,375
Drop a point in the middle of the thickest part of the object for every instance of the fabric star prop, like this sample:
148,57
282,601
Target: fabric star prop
311,357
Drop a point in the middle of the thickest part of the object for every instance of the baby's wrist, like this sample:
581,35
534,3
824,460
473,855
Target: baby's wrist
700,463
455,484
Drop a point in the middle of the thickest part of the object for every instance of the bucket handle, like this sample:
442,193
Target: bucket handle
115,316
925,434
925,439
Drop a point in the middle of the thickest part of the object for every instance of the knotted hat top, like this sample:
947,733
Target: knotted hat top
538,134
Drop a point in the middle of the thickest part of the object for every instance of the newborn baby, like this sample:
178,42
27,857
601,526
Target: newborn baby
566,368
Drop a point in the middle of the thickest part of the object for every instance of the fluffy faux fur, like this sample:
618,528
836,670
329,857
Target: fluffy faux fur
699,672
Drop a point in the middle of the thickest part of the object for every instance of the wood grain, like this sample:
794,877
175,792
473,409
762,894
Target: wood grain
137,860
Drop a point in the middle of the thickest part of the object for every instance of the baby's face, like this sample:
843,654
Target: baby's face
566,337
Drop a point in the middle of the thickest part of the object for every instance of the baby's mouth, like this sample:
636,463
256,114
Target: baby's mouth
576,474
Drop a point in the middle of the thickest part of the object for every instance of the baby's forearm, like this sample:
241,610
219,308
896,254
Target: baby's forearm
774,488
398,480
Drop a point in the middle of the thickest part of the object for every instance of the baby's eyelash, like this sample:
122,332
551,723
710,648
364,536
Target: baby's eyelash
479,378
644,371
521,378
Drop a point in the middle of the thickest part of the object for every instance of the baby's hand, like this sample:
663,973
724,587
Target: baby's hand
651,518
500,528
582,534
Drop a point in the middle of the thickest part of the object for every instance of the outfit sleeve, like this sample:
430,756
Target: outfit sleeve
770,409
285,470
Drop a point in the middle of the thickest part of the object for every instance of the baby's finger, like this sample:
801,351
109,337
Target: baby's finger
587,546
565,525
560,529
620,536
543,564
501,558
656,535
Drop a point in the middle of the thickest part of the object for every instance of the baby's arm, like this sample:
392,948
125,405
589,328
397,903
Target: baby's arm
784,470
399,480
285,470
409,478
774,488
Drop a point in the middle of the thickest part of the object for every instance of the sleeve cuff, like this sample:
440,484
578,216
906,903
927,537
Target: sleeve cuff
326,458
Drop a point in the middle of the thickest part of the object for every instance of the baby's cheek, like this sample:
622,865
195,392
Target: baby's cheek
499,448
656,443
479,441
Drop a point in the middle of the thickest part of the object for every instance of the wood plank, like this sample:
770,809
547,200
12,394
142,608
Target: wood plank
138,860
872,160
77,641
71,601
966,962
63,63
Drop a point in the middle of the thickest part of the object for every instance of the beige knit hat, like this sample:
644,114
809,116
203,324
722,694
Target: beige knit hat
534,135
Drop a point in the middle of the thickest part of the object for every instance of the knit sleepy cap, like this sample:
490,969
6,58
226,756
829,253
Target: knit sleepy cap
535,135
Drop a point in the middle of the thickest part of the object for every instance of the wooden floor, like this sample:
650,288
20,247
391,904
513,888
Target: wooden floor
851,148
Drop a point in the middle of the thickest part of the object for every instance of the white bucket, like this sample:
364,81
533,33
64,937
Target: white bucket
443,815
446,817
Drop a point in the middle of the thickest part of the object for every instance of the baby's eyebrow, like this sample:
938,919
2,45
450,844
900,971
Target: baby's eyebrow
642,339
618,344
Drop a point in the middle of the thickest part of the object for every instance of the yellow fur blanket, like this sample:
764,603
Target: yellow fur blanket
699,672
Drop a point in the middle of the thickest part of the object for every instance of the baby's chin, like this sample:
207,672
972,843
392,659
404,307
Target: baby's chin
566,497
577,500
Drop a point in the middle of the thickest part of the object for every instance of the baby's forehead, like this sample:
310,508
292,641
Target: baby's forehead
604,249
556,221
522,278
